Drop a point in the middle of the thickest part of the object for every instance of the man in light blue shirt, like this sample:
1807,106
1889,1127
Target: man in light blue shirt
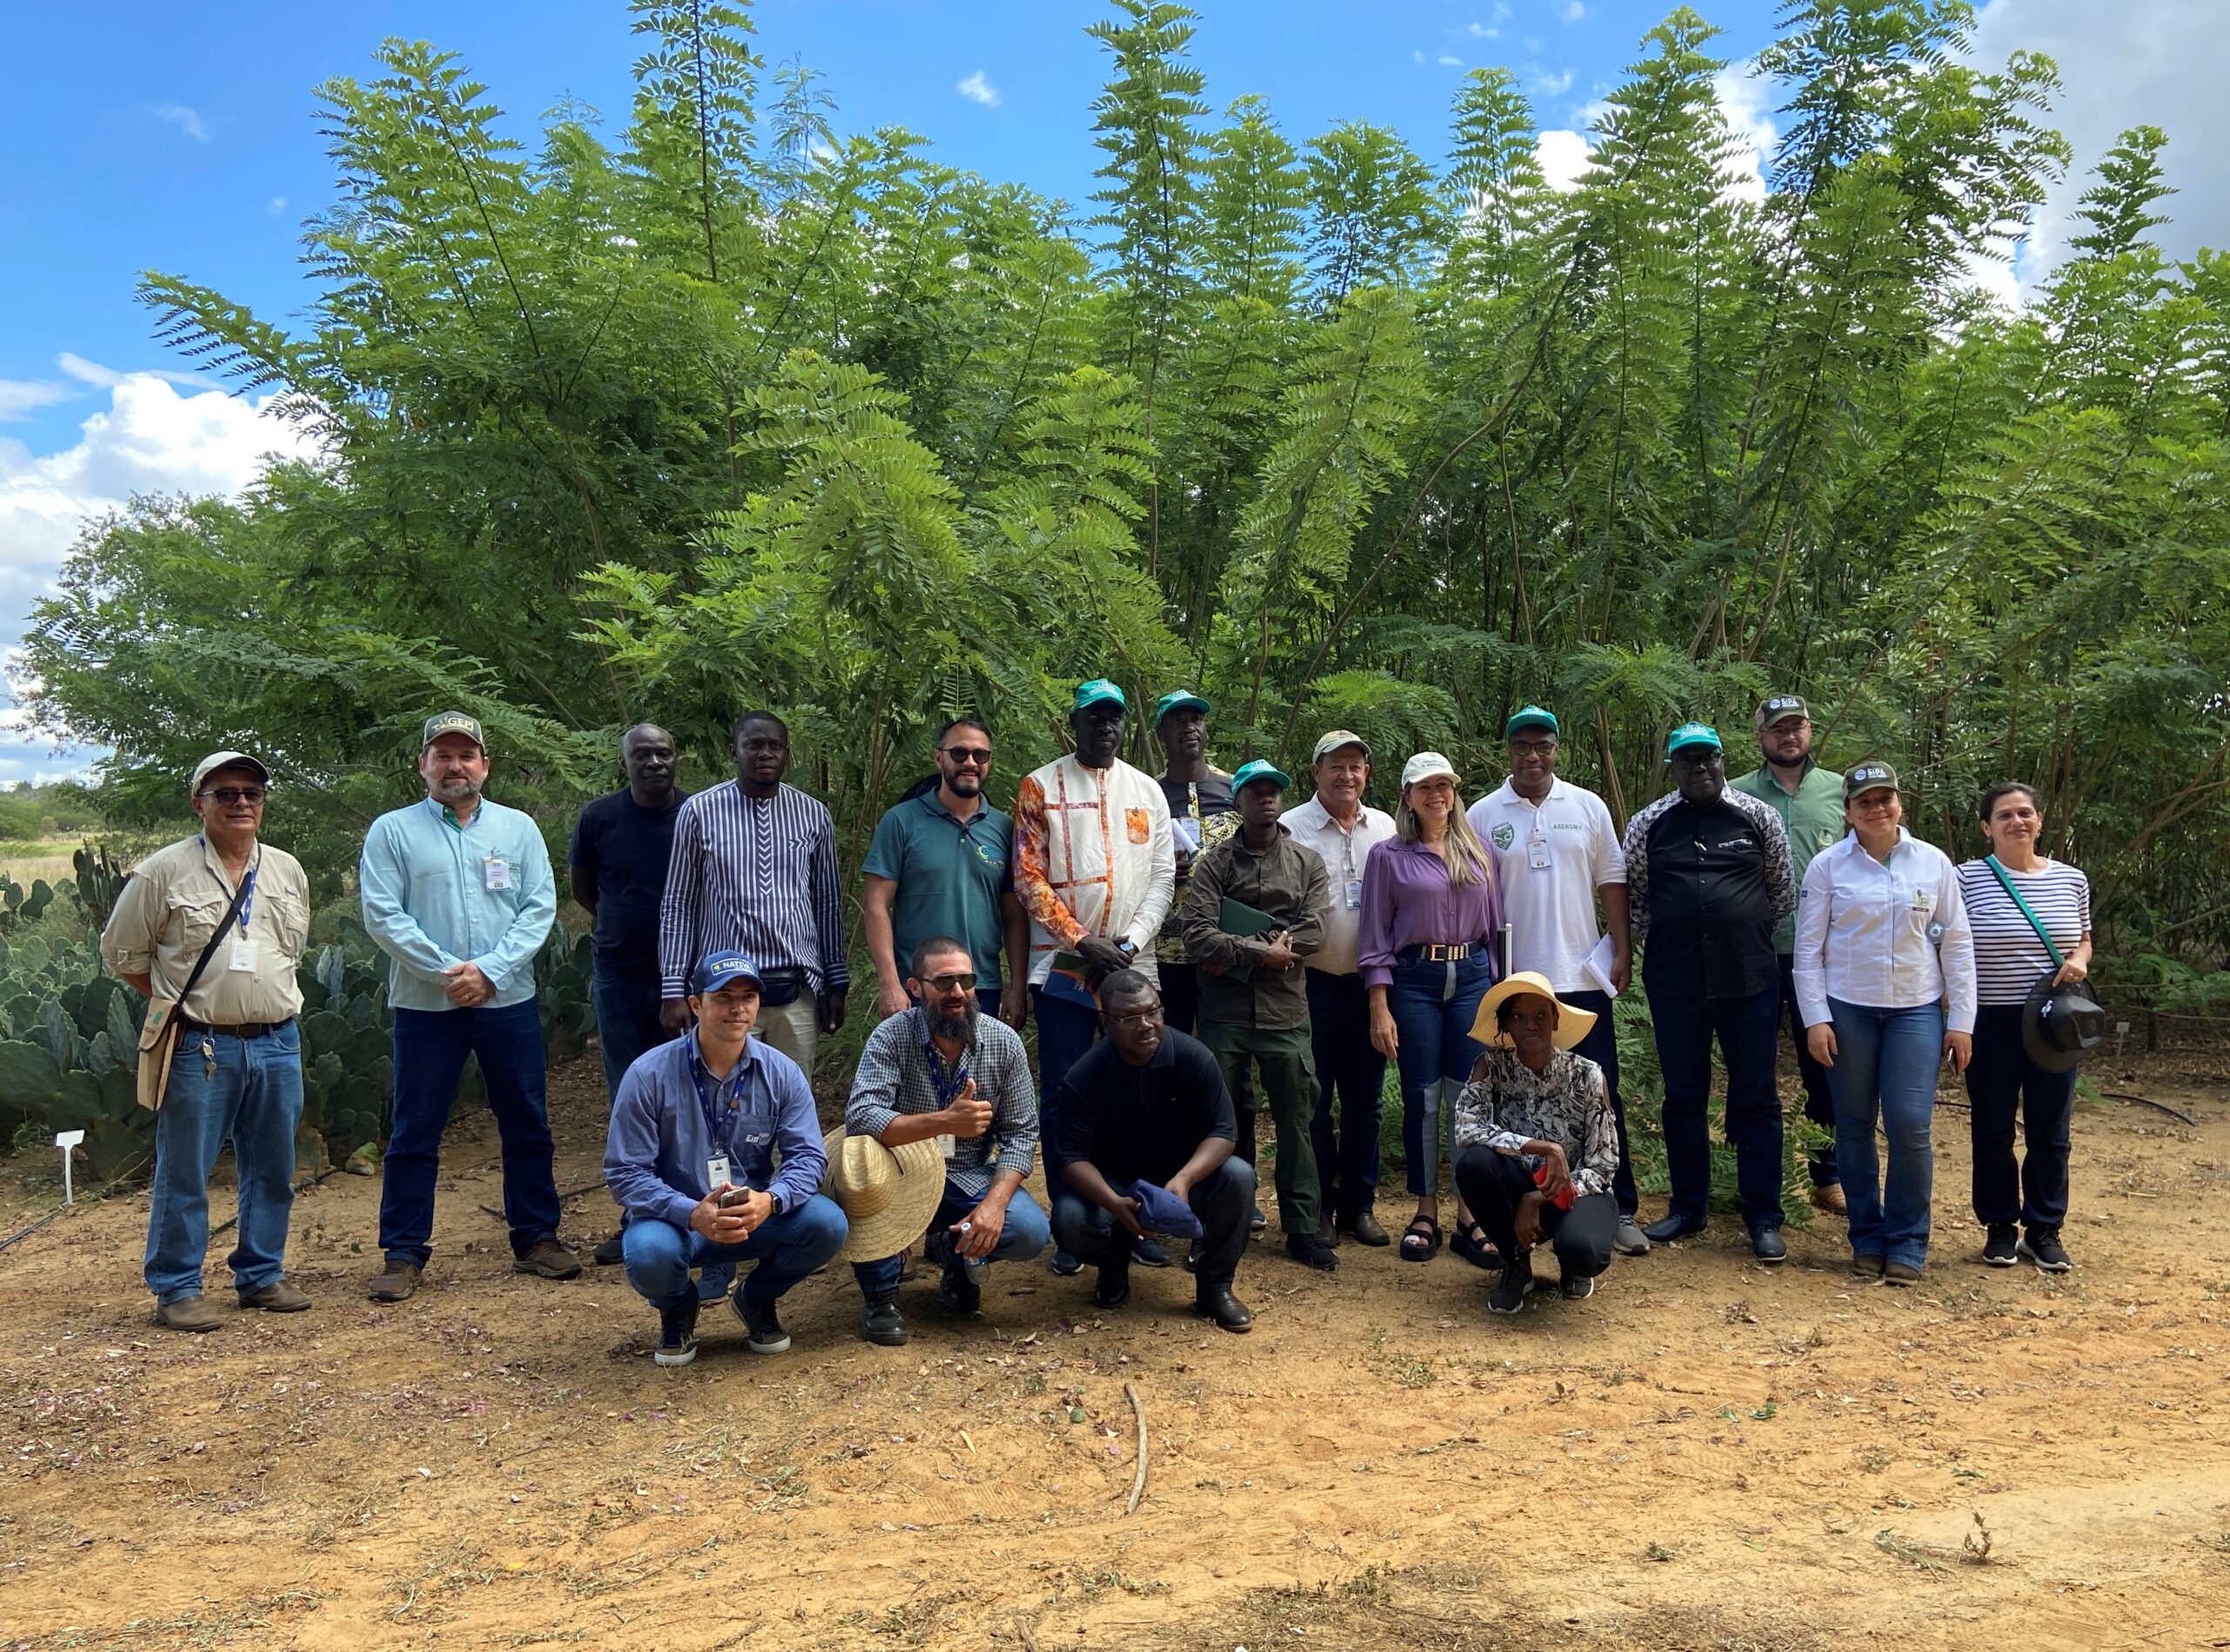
457,891
716,1154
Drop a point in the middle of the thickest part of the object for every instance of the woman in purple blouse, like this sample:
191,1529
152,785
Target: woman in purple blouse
1430,907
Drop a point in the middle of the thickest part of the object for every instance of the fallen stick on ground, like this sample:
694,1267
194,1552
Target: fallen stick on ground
2146,1101
1139,1484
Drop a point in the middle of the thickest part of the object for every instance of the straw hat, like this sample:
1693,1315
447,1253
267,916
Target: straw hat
1573,1024
887,1194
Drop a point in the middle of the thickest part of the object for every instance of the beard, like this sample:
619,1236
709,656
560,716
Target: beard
959,1027
964,783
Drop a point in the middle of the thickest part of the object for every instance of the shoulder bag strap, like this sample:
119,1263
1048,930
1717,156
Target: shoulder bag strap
2006,883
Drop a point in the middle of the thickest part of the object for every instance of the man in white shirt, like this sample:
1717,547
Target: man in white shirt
1342,830
1095,869
1556,854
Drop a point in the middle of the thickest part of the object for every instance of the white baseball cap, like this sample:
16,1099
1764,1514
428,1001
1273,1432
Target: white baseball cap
1426,765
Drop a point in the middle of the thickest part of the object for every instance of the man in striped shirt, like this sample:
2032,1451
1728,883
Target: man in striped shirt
754,871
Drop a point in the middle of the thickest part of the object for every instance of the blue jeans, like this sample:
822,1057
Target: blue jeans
1024,1233
1601,1047
1223,1201
249,1092
430,1046
1347,1063
787,1248
627,1024
1433,1007
1885,1067
1066,1032
1746,1029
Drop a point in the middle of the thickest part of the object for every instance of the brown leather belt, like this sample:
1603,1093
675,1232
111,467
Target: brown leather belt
1437,953
244,1029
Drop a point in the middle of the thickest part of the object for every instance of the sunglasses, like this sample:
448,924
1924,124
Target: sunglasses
228,795
980,756
964,983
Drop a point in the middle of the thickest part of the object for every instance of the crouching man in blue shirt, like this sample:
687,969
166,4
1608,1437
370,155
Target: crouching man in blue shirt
718,1113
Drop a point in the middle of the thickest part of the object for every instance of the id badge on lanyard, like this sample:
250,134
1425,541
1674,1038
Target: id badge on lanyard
1537,851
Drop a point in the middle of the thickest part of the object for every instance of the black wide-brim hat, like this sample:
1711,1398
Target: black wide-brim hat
2059,1024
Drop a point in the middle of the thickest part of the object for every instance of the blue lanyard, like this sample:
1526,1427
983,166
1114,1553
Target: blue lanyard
947,1089
720,1123
247,888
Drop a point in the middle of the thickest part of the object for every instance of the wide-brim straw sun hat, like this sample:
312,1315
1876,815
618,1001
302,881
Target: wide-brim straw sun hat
888,1194
1573,1024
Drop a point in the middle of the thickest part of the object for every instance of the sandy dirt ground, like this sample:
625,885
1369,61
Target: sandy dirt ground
1706,1454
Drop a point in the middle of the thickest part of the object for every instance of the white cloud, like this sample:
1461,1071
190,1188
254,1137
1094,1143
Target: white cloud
1450,60
278,204
1574,11
1746,103
979,90
2161,62
18,397
1562,157
1551,83
184,118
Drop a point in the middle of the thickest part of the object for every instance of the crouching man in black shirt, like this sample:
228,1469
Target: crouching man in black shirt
1147,1125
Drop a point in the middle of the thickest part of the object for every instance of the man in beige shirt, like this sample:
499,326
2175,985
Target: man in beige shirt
238,1072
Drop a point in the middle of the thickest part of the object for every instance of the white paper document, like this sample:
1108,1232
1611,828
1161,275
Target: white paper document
1597,965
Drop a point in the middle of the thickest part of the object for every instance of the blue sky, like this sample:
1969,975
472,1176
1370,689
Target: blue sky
184,139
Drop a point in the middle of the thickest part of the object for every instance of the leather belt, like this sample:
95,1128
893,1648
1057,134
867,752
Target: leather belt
1437,953
244,1029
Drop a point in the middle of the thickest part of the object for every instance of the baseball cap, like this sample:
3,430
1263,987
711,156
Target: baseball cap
1426,765
452,723
1868,777
1532,716
1098,691
1692,734
1183,700
719,968
1260,769
1328,744
216,761
1771,711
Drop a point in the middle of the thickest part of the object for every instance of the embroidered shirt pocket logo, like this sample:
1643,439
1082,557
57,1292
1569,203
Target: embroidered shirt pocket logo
1137,825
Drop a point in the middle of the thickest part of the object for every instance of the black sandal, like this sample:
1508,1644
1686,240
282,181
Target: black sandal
1471,1243
1421,1240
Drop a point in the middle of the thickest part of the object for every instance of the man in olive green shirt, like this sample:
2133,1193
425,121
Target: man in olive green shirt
1810,802
237,1074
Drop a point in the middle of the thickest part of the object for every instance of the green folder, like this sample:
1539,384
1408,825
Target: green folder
1238,917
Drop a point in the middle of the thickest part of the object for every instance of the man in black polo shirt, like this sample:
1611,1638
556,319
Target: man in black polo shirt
618,861
1708,875
1147,1105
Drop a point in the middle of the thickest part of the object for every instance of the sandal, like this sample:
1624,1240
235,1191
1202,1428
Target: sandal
1421,1240
1472,1244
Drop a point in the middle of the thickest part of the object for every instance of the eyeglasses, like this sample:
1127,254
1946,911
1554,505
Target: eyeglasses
228,795
1137,1018
980,756
965,982
1533,748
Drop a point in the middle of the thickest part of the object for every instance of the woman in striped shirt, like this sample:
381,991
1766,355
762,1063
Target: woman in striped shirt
2001,1079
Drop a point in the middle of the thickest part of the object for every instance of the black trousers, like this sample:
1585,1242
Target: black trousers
1819,1100
2001,1081
1492,1182
1350,1083
1601,1047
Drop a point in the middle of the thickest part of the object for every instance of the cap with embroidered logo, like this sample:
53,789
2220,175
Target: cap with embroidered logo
1425,766
717,970
1182,699
1097,691
1331,742
1690,735
1532,716
1260,769
452,723
1772,711
1869,777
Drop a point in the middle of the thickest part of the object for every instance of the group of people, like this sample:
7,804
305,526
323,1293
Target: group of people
1191,952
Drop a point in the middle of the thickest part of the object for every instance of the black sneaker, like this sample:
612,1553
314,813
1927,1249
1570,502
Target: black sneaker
2042,1247
1509,1293
958,1291
1576,1287
1193,1252
2002,1249
1065,1264
1114,1287
1148,1253
612,1251
1310,1250
765,1326
1256,1221
677,1335
881,1323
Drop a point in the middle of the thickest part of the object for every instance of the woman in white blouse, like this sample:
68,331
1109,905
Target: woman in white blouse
1885,982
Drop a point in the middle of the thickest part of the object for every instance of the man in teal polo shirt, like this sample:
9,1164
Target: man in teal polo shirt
1810,802
942,863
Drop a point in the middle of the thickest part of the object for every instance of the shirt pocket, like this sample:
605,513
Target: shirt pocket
290,917
192,922
1137,826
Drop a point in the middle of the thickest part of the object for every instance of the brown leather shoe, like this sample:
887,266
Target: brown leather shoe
188,1313
1829,1196
395,1282
278,1297
549,1259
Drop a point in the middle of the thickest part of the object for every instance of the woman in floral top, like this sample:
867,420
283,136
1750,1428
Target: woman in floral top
1535,1140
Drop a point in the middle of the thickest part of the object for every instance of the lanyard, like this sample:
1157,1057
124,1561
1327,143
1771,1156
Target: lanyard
947,1088
720,1123
248,887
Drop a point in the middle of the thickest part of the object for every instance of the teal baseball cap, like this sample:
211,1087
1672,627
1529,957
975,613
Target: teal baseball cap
1097,691
1182,699
1532,716
1692,734
1260,769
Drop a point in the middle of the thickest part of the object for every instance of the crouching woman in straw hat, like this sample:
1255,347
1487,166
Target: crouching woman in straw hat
1537,1142
716,1156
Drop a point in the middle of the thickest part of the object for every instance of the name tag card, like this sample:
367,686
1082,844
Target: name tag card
716,1172
243,958
496,871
